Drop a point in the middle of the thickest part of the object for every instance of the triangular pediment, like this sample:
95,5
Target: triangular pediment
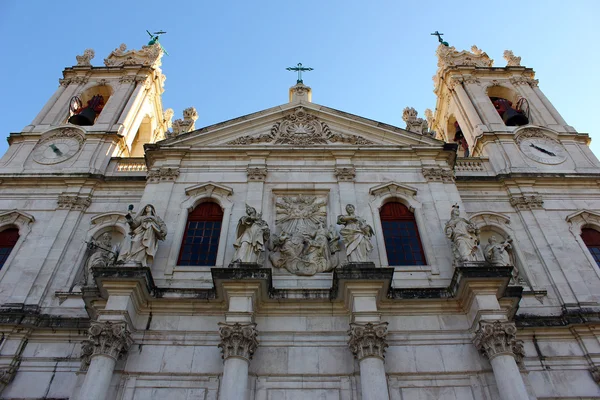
298,124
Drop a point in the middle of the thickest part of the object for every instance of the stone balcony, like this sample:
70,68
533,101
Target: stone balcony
472,166
132,166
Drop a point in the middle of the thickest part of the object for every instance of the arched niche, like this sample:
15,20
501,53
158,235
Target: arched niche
142,136
22,222
455,134
577,222
87,97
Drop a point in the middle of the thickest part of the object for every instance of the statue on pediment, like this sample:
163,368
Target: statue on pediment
146,229
356,235
253,233
464,236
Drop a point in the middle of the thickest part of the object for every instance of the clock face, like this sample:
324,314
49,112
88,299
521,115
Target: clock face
54,151
543,150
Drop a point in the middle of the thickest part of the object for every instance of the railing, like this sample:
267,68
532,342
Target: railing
131,165
470,164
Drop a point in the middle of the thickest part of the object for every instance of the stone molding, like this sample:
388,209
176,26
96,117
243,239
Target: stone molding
73,202
162,174
16,217
345,174
368,340
111,339
582,218
527,133
595,371
438,175
495,338
394,189
78,80
238,340
256,174
148,56
527,202
523,80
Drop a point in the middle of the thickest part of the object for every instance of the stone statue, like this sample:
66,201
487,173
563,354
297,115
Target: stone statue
253,233
497,253
146,229
464,236
356,235
103,255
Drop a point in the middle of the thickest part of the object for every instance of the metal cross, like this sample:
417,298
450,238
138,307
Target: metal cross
299,68
439,35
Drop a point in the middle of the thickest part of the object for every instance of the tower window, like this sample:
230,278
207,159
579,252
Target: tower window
201,237
8,239
401,235
591,238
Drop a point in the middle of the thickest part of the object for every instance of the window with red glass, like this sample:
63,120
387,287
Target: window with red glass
201,237
591,238
8,239
401,235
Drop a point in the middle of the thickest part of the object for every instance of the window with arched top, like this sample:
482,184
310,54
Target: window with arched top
8,239
201,237
401,235
591,238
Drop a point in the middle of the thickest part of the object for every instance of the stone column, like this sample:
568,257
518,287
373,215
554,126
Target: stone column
238,343
368,343
497,341
108,341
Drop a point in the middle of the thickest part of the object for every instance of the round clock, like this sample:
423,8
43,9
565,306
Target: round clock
543,150
56,150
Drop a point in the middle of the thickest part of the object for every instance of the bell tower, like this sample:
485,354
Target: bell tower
110,111
495,112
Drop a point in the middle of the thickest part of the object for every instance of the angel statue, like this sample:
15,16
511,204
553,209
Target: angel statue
496,253
253,233
464,236
146,229
356,235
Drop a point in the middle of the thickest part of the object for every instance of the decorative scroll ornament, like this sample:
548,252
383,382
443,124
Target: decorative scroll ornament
111,339
238,340
86,58
438,174
256,174
148,56
301,129
511,59
450,57
530,202
73,202
368,340
495,338
345,174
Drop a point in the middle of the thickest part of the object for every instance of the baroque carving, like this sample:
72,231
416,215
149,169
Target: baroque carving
464,237
438,174
494,338
304,246
238,340
127,79
103,254
256,174
345,174
368,340
528,202
86,58
511,59
253,234
414,124
162,174
146,229
356,235
497,253
73,202
528,133
448,56
208,189
148,56
187,124
111,339
16,217
523,80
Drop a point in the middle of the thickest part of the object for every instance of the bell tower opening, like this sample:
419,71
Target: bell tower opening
513,110
143,136
85,109
454,133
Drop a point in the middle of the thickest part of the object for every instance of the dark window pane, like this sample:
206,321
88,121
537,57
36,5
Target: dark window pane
401,235
201,239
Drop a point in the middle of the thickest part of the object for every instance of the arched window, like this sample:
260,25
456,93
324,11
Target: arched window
8,239
201,237
591,238
401,234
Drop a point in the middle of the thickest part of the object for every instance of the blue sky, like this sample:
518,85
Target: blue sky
228,58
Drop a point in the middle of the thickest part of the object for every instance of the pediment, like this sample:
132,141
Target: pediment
298,124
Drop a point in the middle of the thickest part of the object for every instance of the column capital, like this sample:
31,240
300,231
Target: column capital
494,338
107,338
238,340
368,340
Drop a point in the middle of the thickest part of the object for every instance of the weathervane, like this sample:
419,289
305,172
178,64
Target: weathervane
154,39
439,35
299,68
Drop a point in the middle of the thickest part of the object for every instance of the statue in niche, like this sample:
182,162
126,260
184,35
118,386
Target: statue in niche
146,229
356,235
497,253
304,246
464,236
253,233
103,254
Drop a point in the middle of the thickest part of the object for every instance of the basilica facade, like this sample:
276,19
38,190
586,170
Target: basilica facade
299,252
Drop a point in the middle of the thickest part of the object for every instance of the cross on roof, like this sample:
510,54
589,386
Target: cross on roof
299,68
439,35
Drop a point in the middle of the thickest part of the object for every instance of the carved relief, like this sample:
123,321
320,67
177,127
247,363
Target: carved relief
125,79
497,253
256,174
148,56
438,175
187,124
111,339
238,340
345,174
494,338
162,174
73,202
511,59
528,202
304,245
523,80
86,58
368,340
448,56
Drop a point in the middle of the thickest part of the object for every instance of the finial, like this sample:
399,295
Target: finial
154,39
299,68
439,35
86,58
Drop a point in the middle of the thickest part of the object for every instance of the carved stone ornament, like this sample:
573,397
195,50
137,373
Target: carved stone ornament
86,58
145,230
356,235
256,174
368,340
414,124
162,174
523,80
529,133
495,338
148,56
73,202
238,340
438,175
528,202
511,59
304,245
16,217
111,339
345,174
450,57
464,238
77,80
253,236
497,253
102,255
301,129
187,124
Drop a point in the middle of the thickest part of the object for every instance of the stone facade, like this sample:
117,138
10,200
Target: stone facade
94,303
